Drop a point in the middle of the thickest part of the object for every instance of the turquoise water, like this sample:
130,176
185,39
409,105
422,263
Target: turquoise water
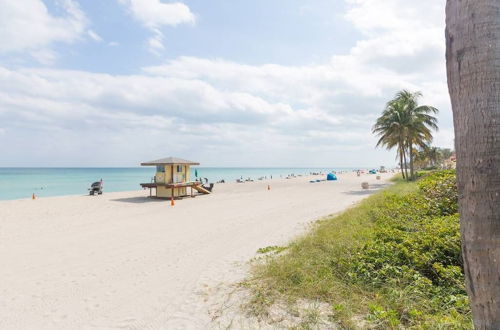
16,183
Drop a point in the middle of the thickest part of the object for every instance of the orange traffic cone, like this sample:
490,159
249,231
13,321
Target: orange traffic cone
172,203
33,197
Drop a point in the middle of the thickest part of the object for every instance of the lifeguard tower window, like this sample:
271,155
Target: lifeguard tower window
160,168
179,168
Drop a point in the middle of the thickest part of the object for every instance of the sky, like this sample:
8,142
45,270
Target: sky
236,83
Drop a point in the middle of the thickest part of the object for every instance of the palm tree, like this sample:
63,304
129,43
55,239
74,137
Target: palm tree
419,122
428,156
446,153
390,126
434,155
472,60
405,124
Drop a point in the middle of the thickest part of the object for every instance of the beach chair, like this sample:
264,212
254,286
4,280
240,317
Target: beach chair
209,187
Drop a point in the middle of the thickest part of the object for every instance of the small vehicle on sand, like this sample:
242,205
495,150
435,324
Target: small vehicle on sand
96,188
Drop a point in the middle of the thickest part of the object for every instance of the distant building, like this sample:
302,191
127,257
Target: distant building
451,163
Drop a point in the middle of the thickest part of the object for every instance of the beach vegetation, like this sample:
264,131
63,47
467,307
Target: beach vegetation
392,261
271,249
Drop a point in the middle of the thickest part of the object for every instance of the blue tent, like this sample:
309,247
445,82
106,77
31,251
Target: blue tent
331,177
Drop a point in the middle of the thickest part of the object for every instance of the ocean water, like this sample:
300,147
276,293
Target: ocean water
17,183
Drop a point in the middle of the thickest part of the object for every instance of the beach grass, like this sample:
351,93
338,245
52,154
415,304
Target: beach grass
348,268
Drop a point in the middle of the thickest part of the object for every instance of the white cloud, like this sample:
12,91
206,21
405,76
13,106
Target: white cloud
374,16
44,55
154,14
394,54
399,31
156,43
94,36
219,110
27,26
174,109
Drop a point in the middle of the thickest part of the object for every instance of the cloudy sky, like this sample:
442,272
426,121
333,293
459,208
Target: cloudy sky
223,82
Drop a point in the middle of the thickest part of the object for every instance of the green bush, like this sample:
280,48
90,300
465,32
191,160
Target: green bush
415,249
395,259
440,191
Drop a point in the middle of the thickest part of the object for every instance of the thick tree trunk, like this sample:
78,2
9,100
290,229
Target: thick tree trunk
473,64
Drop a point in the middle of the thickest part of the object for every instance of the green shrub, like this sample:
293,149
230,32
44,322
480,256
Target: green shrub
440,191
415,248
394,259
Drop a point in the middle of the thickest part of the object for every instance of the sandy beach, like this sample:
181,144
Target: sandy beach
124,261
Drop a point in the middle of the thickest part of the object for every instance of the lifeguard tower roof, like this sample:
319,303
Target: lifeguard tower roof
169,161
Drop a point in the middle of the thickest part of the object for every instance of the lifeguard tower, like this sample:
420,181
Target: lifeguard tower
172,178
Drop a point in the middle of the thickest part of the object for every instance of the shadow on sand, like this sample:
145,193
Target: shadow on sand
360,192
379,185
139,200
373,188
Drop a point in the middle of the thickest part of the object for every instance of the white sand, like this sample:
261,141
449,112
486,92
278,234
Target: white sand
123,261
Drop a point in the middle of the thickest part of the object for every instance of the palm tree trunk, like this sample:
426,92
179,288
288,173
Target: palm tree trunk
401,162
472,59
410,147
405,164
